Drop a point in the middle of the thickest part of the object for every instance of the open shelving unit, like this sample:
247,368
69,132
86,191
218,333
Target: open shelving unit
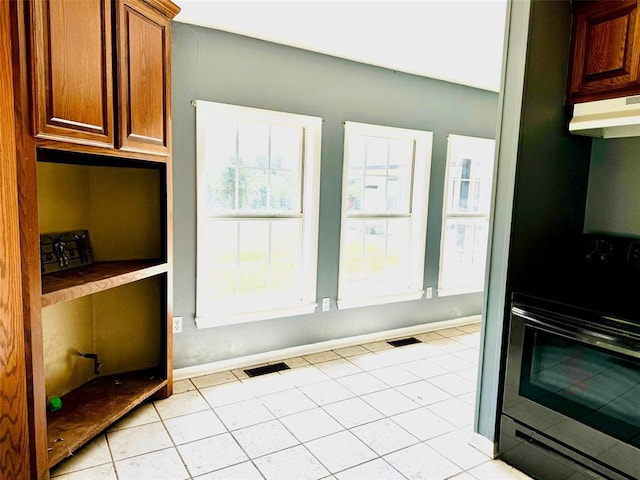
116,307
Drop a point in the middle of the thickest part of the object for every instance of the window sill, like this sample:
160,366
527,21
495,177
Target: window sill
447,292
208,321
344,303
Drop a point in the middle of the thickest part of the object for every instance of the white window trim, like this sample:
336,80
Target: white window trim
451,291
419,208
206,318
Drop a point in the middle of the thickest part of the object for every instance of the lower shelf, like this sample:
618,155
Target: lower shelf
94,406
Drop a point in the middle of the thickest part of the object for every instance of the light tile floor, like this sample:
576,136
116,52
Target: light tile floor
357,413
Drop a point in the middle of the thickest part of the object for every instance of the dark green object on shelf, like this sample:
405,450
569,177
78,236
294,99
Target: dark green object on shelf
55,404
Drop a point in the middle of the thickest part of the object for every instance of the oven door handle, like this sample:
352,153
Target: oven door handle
590,337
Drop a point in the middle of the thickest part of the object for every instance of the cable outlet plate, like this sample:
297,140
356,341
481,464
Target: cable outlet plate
429,292
177,324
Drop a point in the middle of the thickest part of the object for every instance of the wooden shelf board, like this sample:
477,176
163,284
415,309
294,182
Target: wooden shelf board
94,406
66,285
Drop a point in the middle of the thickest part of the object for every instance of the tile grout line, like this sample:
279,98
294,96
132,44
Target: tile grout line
175,446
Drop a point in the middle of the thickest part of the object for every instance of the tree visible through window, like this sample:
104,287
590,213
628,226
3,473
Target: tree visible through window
258,175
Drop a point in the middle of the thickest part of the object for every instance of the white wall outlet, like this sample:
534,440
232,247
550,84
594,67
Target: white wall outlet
429,292
177,324
326,305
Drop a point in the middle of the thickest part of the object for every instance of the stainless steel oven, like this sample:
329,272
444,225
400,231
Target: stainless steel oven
571,405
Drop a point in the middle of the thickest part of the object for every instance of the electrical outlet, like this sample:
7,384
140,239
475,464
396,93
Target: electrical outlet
326,305
177,324
429,292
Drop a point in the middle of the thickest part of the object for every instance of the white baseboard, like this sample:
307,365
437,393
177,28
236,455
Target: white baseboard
276,355
484,445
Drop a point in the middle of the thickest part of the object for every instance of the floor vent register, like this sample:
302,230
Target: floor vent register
275,367
401,342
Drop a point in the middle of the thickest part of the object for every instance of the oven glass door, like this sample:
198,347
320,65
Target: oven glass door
590,384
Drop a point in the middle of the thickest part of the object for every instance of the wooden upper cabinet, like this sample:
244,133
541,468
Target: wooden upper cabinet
101,74
605,50
73,71
143,80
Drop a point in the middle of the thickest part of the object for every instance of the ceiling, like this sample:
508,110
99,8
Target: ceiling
454,40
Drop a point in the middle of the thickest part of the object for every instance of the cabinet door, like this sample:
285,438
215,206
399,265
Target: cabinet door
73,73
605,50
143,78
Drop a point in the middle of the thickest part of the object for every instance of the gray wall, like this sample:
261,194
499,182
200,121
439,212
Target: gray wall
218,66
613,198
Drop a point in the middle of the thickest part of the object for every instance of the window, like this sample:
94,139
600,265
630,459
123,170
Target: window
258,196
467,200
384,214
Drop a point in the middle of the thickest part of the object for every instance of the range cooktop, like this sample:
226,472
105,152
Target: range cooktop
602,276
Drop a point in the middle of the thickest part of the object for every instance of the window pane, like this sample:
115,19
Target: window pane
285,240
286,147
253,277
400,175
252,189
375,180
223,236
284,191
284,275
356,153
221,260
220,189
220,144
401,153
375,195
252,258
253,242
285,176
376,153
253,144
471,194
464,252
264,175
380,174
470,175
375,256
220,168
355,189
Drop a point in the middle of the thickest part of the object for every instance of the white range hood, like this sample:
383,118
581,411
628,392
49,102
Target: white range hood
615,118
